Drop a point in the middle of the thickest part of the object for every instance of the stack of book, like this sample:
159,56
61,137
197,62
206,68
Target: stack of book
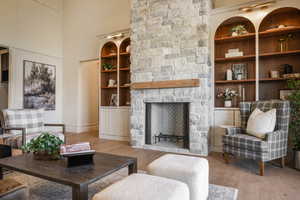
76,149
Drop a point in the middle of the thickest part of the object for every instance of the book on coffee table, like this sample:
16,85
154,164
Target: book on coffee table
76,149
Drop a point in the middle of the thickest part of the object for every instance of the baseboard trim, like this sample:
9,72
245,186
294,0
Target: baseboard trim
82,128
114,137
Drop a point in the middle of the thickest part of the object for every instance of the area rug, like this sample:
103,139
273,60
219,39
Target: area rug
40,189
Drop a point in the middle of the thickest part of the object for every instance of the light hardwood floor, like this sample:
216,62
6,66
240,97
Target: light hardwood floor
277,184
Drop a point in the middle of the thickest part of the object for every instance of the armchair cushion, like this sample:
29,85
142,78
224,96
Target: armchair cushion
246,142
31,119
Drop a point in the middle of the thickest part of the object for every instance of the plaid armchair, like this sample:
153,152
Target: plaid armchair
275,144
22,125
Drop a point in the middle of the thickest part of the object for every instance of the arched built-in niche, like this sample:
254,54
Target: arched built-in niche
109,65
279,44
245,43
125,72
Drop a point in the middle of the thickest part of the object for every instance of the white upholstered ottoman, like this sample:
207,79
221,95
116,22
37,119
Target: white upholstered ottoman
191,170
145,187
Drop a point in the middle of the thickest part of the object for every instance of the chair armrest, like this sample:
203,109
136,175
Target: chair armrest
276,136
233,130
12,135
57,125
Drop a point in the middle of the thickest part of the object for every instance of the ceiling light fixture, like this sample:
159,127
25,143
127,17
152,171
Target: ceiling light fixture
257,6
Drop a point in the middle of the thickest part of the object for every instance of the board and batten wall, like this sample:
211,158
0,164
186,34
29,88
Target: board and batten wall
82,23
32,29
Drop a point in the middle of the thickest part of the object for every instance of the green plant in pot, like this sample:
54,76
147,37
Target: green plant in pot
294,128
44,147
239,30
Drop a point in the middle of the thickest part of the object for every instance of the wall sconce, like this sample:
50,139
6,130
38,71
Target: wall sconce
257,6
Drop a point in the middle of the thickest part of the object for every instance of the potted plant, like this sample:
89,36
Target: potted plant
238,30
294,127
44,147
227,95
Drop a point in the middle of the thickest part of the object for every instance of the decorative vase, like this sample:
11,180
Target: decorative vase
45,155
128,49
234,34
297,160
228,103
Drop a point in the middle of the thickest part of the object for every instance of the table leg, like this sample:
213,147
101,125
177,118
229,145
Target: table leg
80,192
1,173
132,168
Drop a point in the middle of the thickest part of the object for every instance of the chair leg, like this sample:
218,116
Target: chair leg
261,168
226,158
282,162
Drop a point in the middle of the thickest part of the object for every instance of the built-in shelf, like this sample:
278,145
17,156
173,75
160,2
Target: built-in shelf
235,38
109,71
109,56
279,31
235,81
106,87
125,69
125,54
292,52
238,58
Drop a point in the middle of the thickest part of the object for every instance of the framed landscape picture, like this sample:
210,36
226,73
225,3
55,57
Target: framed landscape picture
39,85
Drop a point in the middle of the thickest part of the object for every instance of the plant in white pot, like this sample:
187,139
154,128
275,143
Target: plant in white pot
294,128
228,94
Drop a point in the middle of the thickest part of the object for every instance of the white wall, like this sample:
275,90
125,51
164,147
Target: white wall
32,29
88,99
82,23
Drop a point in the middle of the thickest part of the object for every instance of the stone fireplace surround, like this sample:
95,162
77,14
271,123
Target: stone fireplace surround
169,41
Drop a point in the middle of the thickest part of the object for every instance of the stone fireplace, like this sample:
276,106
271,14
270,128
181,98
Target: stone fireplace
169,42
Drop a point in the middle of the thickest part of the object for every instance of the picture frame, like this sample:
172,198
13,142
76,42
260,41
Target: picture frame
39,85
240,71
113,100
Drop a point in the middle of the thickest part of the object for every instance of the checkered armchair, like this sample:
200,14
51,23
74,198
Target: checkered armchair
236,142
22,125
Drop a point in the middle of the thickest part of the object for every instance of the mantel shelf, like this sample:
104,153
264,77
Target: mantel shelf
166,84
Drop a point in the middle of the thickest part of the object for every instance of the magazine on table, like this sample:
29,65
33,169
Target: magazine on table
79,148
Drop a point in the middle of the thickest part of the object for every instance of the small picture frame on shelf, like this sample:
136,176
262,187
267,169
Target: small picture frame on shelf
113,100
284,94
240,71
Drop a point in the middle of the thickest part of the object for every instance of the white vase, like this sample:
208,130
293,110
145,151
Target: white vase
234,34
227,103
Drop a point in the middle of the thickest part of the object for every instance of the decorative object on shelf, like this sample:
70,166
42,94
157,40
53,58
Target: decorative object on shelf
233,53
282,44
112,52
238,30
112,83
127,103
128,48
229,75
294,126
44,147
126,85
294,75
240,71
114,100
39,85
228,94
289,37
287,69
107,66
274,74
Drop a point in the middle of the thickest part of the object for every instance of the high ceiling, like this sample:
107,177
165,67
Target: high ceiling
222,3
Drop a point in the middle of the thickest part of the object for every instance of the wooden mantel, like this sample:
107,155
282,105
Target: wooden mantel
166,84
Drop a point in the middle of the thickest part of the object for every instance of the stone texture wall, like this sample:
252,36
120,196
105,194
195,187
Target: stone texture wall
170,41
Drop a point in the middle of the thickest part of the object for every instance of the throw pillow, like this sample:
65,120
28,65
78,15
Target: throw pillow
260,123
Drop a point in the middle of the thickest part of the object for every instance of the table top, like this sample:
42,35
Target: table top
57,171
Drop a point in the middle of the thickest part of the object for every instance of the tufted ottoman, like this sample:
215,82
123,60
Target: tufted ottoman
191,170
144,187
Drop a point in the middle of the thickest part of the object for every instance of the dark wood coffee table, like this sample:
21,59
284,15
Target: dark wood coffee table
77,177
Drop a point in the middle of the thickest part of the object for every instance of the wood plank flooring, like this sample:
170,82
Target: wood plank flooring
277,184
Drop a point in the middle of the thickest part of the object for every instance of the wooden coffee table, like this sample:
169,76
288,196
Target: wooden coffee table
77,177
